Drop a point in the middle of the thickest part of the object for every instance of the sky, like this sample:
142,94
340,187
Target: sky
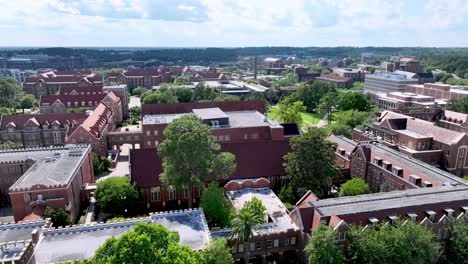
233,23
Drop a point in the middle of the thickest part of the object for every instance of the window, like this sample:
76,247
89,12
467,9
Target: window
341,236
276,243
286,241
234,249
156,143
171,193
185,192
251,246
148,132
258,246
155,132
241,248
156,194
27,198
293,241
269,244
227,138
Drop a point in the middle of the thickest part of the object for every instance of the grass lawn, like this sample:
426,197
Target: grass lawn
308,118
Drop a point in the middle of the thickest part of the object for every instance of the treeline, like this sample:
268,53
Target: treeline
452,62
218,55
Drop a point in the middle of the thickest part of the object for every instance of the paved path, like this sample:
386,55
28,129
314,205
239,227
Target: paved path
90,212
122,166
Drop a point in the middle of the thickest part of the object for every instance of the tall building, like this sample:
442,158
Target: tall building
387,82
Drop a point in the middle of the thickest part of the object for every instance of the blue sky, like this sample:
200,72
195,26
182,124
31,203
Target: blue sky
234,23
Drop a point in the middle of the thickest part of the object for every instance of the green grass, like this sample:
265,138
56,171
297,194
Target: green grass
308,118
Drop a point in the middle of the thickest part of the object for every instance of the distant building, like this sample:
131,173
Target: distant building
438,90
273,63
340,82
122,92
423,77
19,75
49,83
146,77
404,64
355,75
387,82
367,57
50,177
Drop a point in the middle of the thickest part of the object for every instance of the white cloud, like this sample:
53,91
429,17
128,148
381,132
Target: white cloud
234,22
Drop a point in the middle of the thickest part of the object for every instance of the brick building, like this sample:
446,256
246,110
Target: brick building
88,100
354,74
39,130
49,83
438,90
258,143
146,77
94,129
340,82
46,177
419,139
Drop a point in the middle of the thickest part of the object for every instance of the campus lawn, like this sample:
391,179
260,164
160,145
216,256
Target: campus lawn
308,118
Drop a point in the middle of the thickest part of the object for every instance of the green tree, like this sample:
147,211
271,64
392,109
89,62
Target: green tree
139,91
218,252
310,94
100,164
184,95
159,97
135,114
353,118
355,186
354,101
308,168
215,206
458,105
456,247
10,92
146,243
4,111
242,226
27,101
116,194
77,110
58,217
256,207
180,80
203,93
340,129
256,96
10,145
291,113
288,80
288,196
393,243
322,248
327,103
189,155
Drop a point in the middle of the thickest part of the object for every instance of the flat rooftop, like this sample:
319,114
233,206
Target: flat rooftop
81,242
248,118
53,166
275,209
210,113
19,231
389,200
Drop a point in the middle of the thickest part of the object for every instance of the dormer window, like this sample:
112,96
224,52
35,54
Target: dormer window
416,180
431,215
427,184
397,171
378,161
412,216
448,211
387,165
393,218
373,220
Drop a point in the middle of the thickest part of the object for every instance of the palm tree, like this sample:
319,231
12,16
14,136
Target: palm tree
242,226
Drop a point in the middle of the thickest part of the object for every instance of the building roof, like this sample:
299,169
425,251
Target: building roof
455,116
143,72
71,98
343,142
389,200
191,225
97,120
277,212
53,166
19,121
154,109
19,231
421,127
95,89
333,77
209,113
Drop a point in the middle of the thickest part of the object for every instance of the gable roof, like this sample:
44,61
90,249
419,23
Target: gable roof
72,98
81,89
97,120
20,120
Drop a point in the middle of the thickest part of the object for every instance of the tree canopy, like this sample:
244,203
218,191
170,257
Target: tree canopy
291,112
58,217
10,92
456,248
146,243
458,105
10,145
100,164
159,97
355,186
218,252
27,101
310,164
354,101
116,194
322,248
189,155
310,94
215,206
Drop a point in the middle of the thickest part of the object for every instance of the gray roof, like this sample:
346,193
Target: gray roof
81,242
19,231
53,166
209,113
389,200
